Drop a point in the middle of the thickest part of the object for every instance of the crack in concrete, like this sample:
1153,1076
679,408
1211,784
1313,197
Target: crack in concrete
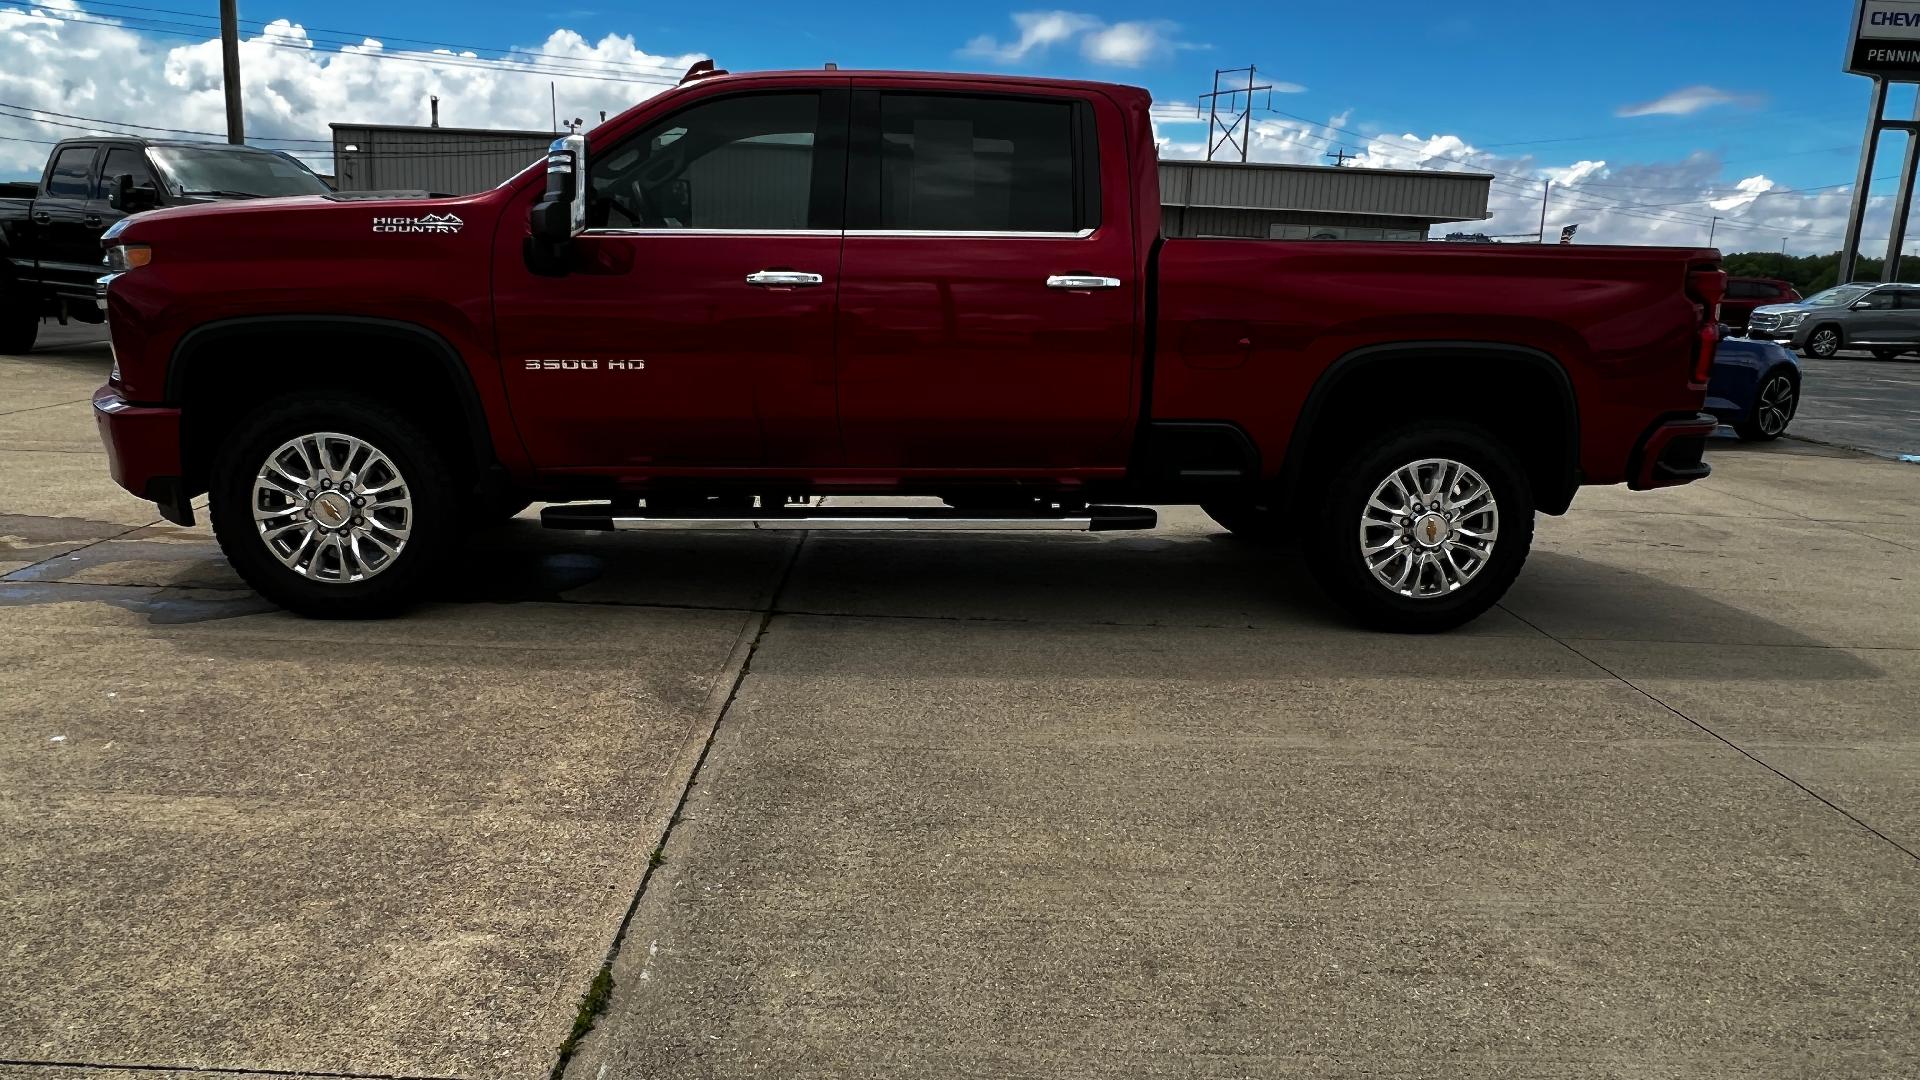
1743,751
225,1070
597,997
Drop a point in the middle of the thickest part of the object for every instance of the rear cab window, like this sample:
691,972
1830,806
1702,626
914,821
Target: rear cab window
69,178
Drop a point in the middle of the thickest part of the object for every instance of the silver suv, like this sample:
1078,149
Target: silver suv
1864,315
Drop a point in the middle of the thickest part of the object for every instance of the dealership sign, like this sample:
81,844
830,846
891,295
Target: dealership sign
1885,42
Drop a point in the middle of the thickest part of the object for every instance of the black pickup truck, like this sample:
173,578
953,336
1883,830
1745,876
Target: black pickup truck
50,232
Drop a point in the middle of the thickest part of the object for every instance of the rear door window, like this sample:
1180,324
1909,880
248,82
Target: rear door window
961,163
69,177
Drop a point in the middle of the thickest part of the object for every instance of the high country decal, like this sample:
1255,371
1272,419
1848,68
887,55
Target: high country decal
425,223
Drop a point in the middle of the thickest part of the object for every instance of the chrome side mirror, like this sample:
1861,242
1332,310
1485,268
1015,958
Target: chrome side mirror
561,213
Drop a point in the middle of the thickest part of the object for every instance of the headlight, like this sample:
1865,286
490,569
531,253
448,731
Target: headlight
124,257
1792,318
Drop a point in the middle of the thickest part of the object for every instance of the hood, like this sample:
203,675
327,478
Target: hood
327,219
1782,309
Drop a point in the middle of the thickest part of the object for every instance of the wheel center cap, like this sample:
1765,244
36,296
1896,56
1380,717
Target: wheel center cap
1430,530
331,509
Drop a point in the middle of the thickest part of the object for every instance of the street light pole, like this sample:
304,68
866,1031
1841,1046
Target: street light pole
1546,191
1711,229
230,68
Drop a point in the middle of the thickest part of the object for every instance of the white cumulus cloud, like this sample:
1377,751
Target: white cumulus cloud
1121,44
1038,31
1658,202
56,55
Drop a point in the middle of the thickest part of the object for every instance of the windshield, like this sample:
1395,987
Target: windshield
191,171
1837,296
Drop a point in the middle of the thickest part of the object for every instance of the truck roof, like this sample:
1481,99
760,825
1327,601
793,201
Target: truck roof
984,79
198,144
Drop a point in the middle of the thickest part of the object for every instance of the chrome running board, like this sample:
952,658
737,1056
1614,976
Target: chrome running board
605,517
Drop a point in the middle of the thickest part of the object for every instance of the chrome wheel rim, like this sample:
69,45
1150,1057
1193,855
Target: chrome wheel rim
1825,342
1429,528
332,507
1776,404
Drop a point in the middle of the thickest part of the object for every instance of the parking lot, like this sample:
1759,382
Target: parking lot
1855,400
1002,806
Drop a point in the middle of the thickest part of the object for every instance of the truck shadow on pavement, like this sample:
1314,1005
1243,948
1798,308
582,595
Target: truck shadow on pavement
1179,581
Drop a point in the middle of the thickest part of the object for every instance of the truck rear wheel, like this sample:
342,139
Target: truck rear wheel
1424,529
333,506
19,328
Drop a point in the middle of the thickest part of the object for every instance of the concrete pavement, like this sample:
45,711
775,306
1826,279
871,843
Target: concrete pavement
1857,400
1066,806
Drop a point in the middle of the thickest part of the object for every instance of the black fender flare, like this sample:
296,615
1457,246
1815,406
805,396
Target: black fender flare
1355,364
196,341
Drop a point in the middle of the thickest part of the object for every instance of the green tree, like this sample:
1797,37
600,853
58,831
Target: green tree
1811,273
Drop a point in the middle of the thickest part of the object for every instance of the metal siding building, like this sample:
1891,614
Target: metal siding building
447,161
1219,198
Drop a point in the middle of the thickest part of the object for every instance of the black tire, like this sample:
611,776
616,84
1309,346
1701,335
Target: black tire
1334,550
435,513
1759,428
1249,521
19,328
1825,341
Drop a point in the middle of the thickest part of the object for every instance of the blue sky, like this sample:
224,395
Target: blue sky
1656,117
1492,72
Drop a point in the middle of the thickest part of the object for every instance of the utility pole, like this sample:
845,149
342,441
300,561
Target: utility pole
1236,131
1545,193
1340,157
1783,245
1711,229
230,69
1903,201
1856,217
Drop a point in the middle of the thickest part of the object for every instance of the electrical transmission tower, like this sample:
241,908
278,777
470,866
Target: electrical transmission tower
1234,126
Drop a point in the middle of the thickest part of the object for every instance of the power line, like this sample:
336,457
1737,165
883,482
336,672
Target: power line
499,66
1374,145
358,37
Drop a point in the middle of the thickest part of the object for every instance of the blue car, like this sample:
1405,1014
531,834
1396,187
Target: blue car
1755,387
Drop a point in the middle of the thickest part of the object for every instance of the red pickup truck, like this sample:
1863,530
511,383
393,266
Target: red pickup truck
756,290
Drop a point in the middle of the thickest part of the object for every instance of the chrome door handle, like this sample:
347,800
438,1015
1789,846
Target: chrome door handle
1082,281
785,278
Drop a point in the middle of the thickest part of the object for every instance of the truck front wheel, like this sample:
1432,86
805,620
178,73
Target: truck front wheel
333,506
1424,529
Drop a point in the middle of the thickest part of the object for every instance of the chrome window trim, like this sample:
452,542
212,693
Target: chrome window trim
965,234
711,232
929,234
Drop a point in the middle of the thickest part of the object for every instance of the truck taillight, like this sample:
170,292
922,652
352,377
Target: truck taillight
1709,343
1706,287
